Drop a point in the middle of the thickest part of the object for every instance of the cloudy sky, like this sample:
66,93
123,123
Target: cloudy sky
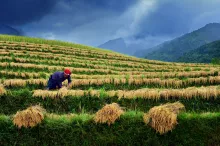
93,22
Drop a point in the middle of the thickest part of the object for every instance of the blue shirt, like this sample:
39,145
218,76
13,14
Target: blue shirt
58,78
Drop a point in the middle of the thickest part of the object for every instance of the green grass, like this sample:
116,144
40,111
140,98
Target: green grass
43,41
21,99
193,129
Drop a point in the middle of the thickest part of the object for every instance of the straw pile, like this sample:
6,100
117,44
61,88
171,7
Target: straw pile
108,114
163,118
2,90
61,93
15,83
29,117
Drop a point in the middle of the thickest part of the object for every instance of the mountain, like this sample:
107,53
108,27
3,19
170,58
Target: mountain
203,54
117,45
6,29
174,49
142,52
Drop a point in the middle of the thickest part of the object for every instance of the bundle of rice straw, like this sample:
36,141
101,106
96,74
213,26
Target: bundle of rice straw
2,90
108,114
62,92
29,117
163,118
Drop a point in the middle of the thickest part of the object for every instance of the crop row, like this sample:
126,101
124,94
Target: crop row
46,48
95,55
131,58
5,39
211,92
25,75
50,56
55,68
163,75
90,65
82,63
74,70
65,63
155,82
67,58
22,83
99,61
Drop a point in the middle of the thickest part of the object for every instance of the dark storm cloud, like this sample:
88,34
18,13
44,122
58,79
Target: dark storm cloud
72,19
169,18
174,17
93,22
81,12
117,5
18,12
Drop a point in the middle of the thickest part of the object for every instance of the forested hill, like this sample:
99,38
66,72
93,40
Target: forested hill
204,54
173,50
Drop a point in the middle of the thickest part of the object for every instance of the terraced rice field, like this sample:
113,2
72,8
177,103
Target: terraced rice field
111,101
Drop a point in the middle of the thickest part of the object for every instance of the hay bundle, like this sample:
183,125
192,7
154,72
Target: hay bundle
111,93
163,118
44,94
62,92
29,117
15,83
108,114
2,90
94,93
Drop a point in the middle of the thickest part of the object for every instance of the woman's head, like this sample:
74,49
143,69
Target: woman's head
67,72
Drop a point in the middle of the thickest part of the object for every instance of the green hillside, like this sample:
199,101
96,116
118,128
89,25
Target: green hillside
172,50
113,99
203,54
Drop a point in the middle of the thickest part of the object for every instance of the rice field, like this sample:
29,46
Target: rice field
114,99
